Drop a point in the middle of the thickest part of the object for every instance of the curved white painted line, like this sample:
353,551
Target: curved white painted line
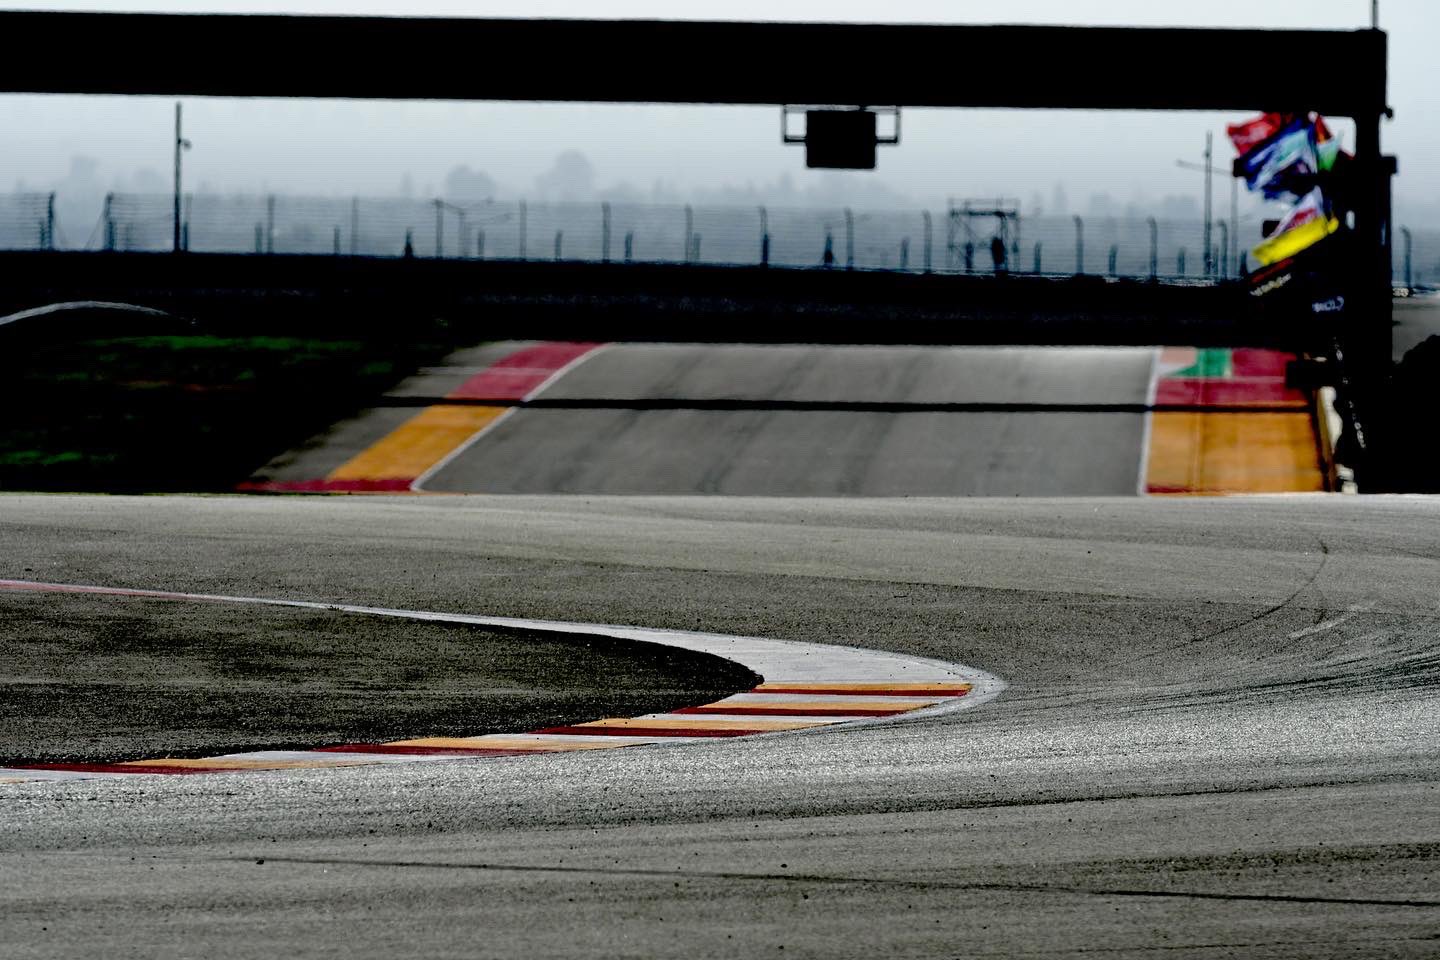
782,664
51,309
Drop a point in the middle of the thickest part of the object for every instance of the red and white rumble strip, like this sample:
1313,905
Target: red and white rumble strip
806,686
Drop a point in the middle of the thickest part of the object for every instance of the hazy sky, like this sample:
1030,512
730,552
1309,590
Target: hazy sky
339,146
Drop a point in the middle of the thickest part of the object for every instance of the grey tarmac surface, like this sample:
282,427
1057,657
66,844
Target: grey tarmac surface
820,452
1416,319
1222,738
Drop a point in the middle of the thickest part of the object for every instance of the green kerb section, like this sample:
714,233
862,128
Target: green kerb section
1210,362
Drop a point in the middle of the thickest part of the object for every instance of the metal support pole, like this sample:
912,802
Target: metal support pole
695,249
1114,257
439,228
925,217
849,239
354,225
689,229
605,232
259,238
480,244
629,245
522,229
1224,248
109,221
1209,186
559,238
50,222
270,224
464,237
1037,256
1234,231
178,141
1408,241
1154,247
337,241
904,253
1180,263
1079,245
764,237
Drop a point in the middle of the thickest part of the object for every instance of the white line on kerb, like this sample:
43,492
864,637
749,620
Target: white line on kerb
1141,486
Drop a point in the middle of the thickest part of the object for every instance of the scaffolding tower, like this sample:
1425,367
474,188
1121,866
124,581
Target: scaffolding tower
970,245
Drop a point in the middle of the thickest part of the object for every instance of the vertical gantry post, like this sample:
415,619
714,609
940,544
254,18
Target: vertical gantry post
689,230
1364,336
764,237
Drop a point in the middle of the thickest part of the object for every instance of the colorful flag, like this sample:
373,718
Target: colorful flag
1286,164
1251,133
1307,223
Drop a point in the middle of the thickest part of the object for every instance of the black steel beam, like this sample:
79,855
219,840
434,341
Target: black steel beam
694,62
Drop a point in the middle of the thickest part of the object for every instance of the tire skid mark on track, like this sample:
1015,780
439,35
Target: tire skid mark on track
804,687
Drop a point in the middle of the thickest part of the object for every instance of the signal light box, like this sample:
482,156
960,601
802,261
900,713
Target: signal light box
840,139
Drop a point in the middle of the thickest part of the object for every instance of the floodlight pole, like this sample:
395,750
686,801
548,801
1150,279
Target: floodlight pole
1209,191
1234,234
181,145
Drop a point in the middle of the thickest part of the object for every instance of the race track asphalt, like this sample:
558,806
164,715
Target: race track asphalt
1221,738
803,435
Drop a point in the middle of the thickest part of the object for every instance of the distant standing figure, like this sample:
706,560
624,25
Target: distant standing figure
997,253
409,245
828,258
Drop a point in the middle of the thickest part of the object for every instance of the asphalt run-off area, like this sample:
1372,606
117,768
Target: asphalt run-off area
1218,730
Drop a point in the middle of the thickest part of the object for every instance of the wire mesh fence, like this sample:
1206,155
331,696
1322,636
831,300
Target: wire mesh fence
27,221
839,238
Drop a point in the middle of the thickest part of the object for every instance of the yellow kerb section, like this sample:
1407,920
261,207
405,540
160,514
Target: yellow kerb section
419,443
942,687
821,707
1226,452
619,724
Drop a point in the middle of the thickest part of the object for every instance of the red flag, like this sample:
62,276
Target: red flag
1251,133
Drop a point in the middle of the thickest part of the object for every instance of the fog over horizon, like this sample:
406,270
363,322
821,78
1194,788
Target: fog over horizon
1053,162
